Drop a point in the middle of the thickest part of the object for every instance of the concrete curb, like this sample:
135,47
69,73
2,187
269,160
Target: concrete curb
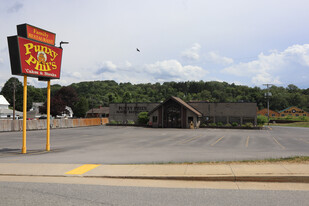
269,179
289,173
286,179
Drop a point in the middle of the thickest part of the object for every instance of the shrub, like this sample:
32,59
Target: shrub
131,122
248,125
143,118
261,119
228,125
234,124
203,125
304,119
212,124
113,122
219,124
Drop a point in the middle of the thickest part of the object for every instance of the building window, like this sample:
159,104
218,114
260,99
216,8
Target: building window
304,115
273,115
282,115
190,119
297,115
154,118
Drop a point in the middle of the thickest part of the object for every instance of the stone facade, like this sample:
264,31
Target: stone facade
124,112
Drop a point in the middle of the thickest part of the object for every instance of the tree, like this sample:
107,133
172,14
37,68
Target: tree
7,92
143,118
81,107
66,96
57,107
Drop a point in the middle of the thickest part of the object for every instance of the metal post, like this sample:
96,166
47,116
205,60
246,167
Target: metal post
24,147
14,88
48,117
267,106
267,101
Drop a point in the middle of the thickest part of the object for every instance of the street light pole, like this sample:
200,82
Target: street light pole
14,88
267,94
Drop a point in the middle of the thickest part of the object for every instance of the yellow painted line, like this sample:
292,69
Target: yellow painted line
247,143
279,143
305,141
217,141
82,169
189,140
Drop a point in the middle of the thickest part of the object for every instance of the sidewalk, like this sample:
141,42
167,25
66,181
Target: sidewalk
203,172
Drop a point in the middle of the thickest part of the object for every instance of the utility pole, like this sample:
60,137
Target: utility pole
14,88
267,95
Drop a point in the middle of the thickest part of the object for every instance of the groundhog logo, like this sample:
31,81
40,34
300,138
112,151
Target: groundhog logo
42,57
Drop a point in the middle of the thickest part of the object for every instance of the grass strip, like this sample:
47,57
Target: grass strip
294,159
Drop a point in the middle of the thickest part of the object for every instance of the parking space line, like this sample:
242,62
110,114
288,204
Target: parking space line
217,141
82,169
188,140
304,140
278,143
247,142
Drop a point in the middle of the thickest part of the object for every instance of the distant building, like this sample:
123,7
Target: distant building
271,113
293,111
5,112
67,113
35,110
175,113
98,112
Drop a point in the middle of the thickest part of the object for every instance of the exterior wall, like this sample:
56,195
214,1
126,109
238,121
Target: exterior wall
155,114
192,115
123,112
227,112
271,113
293,111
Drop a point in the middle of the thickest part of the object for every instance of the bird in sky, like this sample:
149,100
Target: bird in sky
138,50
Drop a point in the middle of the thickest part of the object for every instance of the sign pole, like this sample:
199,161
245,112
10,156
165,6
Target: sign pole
24,147
48,117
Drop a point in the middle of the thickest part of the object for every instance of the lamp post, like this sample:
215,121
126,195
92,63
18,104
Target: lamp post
267,95
14,88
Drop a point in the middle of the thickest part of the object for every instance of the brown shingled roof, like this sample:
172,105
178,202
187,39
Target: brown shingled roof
180,101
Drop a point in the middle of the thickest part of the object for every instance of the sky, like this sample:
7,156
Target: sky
237,41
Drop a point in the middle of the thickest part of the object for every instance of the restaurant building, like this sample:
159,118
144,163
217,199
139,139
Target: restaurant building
176,113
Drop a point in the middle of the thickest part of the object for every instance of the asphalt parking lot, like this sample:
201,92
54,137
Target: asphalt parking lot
129,145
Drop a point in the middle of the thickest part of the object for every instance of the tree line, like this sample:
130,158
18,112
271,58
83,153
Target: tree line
86,95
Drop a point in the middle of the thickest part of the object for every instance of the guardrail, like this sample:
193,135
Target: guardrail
7,125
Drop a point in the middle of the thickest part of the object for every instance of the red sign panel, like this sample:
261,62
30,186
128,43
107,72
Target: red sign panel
40,35
38,59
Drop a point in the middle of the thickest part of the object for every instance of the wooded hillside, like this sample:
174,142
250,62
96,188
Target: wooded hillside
96,93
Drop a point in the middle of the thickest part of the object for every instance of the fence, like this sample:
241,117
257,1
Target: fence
7,125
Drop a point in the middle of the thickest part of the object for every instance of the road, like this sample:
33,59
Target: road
127,145
29,193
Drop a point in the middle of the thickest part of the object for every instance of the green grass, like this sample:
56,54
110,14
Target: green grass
294,124
295,159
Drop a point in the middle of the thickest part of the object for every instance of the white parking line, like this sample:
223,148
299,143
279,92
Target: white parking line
278,143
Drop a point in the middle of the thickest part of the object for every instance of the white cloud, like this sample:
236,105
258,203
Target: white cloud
107,66
173,70
274,67
15,8
168,70
192,54
216,58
